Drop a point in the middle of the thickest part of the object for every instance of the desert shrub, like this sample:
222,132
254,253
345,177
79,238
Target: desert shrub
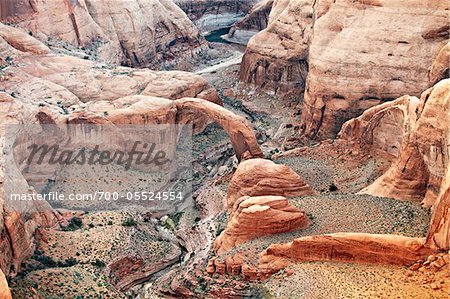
129,222
74,224
98,263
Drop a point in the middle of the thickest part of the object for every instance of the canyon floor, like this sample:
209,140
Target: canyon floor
71,263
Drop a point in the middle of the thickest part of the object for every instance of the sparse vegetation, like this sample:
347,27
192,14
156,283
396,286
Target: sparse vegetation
98,263
129,222
74,224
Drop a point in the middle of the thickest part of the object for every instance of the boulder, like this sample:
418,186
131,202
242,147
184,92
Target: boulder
258,177
258,216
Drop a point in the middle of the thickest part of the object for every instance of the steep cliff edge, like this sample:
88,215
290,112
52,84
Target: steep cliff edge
423,156
276,58
131,32
209,15
255,21
323,52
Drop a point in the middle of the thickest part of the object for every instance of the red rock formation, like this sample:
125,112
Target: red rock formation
306,48
5,293
424,155
343,81
209,15
256,20
439,233
19,221
258,216
275,58
440,68
258,177
242,137
421,166
136,33
380,130
343,247
128,271
21,41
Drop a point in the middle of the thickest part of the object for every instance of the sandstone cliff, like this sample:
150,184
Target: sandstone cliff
276,58
325,49
132,32
255,21
422,153
439,233
209,15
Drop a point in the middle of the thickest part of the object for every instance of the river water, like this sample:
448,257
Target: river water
216,35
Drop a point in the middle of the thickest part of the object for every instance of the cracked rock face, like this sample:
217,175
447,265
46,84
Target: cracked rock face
131,32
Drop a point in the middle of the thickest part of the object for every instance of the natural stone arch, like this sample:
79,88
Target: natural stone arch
241,134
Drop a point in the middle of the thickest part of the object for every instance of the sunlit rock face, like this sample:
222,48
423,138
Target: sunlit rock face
209,15
423,158
334,58
131,32
258,216
257,177
414,134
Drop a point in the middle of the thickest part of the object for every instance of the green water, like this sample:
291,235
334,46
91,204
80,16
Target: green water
215,36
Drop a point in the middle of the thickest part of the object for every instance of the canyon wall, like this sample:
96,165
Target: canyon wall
276,58
209,15
423,156
413,133
256,20
41,87
131,32
334,56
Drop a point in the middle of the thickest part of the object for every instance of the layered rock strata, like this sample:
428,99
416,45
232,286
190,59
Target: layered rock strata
343,247
257,177
255,21
210,15
276,58
258,216
424,154
304,53
333,95
132,32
